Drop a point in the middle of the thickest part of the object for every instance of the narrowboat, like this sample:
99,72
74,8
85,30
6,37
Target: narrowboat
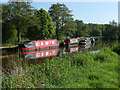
85,41
71,41
40,54
39,45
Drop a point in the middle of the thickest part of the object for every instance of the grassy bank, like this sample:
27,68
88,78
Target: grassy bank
86,70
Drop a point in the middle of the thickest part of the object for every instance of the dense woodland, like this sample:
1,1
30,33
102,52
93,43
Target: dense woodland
20,22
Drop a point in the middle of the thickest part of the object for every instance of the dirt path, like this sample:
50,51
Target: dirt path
8,47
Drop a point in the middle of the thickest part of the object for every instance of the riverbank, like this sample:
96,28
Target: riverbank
5,47
86,70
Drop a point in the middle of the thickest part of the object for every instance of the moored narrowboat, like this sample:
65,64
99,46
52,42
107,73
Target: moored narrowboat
85,41
71,41
39,45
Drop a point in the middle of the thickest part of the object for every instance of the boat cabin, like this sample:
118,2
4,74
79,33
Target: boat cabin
40,44
71,41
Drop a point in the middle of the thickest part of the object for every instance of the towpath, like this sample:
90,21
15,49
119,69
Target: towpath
4,47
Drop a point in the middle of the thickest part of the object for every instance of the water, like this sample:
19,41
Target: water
14,62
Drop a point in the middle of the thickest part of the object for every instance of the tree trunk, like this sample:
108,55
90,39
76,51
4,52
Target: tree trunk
19,35
57,30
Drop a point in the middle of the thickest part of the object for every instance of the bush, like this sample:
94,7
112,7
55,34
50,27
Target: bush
116,48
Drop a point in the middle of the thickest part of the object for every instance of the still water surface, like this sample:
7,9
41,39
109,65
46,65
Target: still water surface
15,61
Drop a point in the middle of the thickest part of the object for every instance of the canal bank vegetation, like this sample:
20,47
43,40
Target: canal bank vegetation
24,22
85,70
116,48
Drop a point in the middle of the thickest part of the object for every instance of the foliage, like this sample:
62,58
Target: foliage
119,32
86,70
18,14
62,19
43,29
96,29
116,48
79,27
9,33
110,32
87,29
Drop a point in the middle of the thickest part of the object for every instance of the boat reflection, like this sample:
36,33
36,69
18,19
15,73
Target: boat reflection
68,50
40,54
71,49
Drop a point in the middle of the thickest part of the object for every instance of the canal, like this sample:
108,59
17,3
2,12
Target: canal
14,61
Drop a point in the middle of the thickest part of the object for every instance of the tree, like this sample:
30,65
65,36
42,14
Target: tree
113,23
82,29
62,19
43,28
119,32
9,33
96,29
79,26
18,13
110,32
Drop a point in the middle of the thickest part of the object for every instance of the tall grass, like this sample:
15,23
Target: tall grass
88,70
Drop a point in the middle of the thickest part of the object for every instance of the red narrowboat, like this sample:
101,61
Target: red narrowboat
38,45
71,42
40,54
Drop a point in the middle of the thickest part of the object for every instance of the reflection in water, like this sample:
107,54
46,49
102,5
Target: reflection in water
71,49
95,51
40,54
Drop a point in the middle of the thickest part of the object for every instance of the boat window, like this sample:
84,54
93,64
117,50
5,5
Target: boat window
53,52
53,42
38,54
42,43
47,43
37,44
41,54
57,42
72,41
29,44
47,53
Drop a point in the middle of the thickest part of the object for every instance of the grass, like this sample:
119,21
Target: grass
87,70
14,43
7,44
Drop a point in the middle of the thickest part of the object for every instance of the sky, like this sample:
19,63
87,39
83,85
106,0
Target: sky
119,13
89,11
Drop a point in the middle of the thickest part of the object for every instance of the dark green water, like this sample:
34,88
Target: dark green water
14,61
